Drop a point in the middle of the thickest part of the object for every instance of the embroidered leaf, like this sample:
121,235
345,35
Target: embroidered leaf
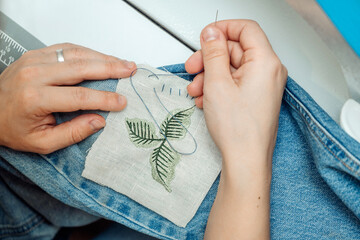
163,158
173,126
163,161
142,133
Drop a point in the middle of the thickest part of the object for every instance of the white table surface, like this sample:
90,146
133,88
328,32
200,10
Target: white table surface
108,26
113,27
308,59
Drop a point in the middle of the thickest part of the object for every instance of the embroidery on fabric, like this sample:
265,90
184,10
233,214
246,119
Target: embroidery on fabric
164,158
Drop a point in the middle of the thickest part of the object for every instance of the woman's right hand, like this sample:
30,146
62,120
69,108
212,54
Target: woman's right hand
240,90
36,85
241,87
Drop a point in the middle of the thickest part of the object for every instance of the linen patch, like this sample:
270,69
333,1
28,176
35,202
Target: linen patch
147,152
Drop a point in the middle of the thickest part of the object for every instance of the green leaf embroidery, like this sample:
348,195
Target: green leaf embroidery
142,133
173,128
163,161
163,158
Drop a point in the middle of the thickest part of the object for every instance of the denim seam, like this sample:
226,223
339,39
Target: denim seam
20,224
39,221
29,219
317,136
328,136
101,204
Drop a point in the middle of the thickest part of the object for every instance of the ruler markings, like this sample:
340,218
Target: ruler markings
14,41
2,61
11,50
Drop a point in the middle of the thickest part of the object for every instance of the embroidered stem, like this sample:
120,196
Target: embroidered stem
151,115
164,158
163,161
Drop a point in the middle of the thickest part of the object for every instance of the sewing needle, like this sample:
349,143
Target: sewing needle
217,11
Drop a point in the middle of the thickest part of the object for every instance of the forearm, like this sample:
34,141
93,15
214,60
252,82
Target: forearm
241,107
242,205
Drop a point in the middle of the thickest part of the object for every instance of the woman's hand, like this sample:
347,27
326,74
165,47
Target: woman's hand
241,87
240,90
36,85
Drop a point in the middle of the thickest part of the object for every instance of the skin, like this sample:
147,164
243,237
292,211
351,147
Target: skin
36,86
240,91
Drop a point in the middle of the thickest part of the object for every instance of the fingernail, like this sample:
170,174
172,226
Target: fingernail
210,33
129,65
96,125
121,99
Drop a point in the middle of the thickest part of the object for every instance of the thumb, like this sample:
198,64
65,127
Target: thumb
215,53
71,132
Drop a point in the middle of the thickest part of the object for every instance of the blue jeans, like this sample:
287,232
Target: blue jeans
314,195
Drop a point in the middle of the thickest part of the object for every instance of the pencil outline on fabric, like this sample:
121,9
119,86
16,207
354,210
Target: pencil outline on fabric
142,134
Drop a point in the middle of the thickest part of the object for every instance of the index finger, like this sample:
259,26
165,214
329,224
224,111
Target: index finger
75,71
70,99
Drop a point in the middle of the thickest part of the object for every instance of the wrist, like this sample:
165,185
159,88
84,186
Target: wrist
247,168
250,156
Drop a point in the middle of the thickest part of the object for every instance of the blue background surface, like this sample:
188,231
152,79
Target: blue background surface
346,17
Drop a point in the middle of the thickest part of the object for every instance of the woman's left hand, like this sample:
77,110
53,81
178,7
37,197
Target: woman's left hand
36,85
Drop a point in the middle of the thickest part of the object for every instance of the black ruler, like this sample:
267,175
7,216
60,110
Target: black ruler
14,41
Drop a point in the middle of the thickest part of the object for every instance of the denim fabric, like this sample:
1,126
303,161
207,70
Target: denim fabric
314,194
